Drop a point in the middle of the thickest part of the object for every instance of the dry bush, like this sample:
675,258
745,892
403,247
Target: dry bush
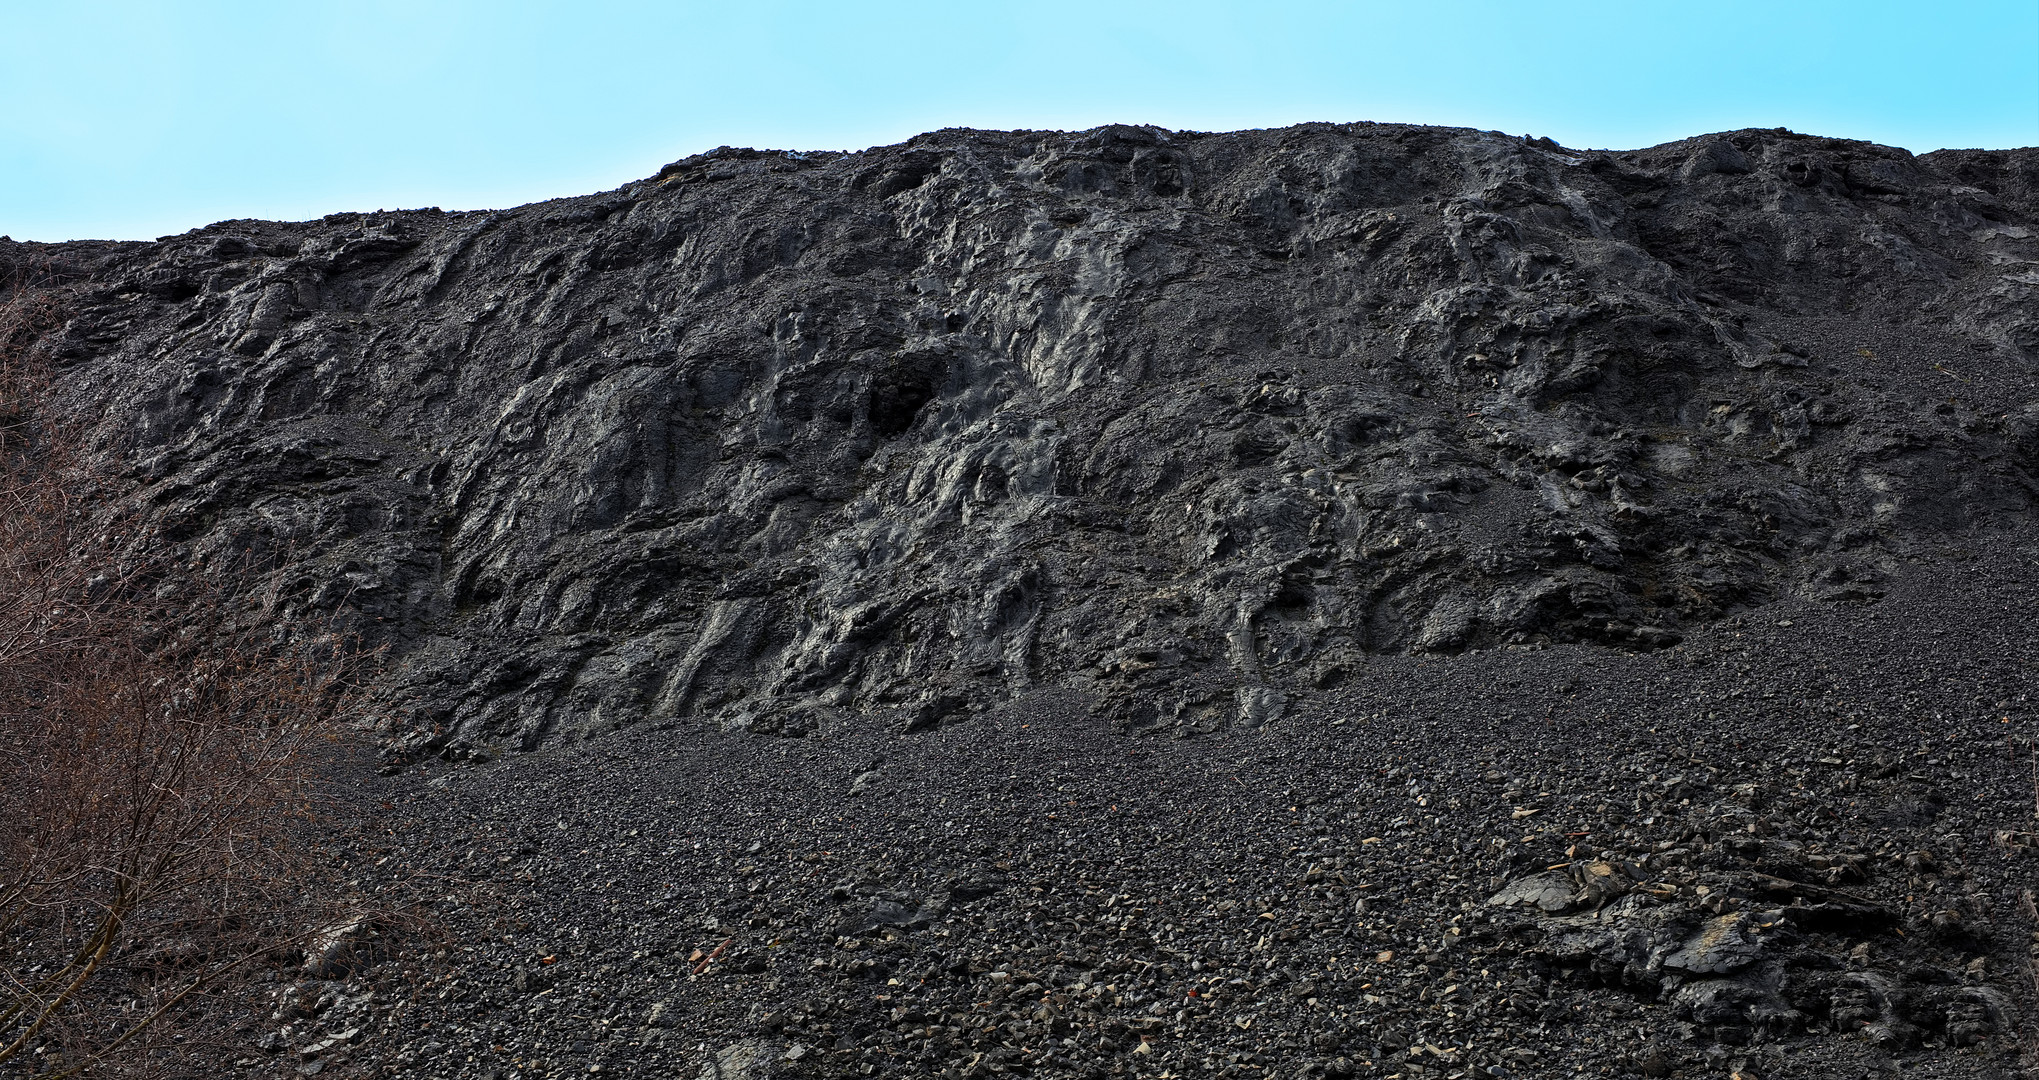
159,744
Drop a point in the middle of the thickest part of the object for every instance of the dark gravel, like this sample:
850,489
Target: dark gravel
1793,846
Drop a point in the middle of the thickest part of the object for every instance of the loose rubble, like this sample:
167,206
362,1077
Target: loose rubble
1722,858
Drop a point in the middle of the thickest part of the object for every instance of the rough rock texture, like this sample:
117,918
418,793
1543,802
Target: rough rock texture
1193,424
1791,852
1601,583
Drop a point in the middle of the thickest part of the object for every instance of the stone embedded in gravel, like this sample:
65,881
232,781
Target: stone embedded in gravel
1599,882
1725,944
747,1060
1550,891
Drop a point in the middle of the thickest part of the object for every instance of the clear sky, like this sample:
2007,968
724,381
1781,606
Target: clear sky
130,119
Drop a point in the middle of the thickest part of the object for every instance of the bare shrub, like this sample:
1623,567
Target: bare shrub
159,744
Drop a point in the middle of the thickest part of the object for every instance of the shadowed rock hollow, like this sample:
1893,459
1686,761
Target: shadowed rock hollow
1191,424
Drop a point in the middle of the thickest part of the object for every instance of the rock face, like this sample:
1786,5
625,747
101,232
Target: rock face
1193,424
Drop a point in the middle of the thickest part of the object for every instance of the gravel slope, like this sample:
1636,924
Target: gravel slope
1796,845
1346,600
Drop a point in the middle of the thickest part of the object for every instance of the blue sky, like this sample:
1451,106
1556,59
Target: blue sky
135,119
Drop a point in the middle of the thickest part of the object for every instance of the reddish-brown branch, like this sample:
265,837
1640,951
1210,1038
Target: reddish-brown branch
156,742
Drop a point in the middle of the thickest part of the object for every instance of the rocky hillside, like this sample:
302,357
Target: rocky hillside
1191,423
1601,581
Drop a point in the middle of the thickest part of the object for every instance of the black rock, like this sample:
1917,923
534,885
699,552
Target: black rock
1189,422
1588,594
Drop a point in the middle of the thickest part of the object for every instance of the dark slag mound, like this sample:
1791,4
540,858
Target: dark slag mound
1532,551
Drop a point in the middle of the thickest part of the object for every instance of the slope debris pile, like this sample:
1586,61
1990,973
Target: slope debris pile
1830,883
1598,585
1196,425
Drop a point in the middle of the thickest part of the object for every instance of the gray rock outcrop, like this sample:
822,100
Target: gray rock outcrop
1192,423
